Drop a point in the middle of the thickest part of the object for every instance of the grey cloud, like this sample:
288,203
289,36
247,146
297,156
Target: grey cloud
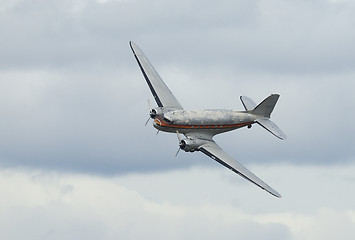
273,36
74,124
72,99
77,100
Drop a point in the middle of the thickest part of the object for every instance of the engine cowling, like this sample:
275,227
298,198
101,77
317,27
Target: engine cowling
190,145
155,112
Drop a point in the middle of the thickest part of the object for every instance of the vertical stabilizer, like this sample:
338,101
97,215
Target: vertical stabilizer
266,107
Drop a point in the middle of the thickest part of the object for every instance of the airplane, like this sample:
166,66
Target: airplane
200,126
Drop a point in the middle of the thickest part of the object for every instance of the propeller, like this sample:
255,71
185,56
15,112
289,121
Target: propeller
147,122
150,109
180,142
177,152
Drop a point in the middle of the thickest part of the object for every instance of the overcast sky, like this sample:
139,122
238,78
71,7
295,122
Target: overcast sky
76,160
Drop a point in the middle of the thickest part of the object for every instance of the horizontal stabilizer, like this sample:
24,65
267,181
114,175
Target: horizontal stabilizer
247,103
271,127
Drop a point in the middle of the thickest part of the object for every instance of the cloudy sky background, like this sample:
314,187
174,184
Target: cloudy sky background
76,160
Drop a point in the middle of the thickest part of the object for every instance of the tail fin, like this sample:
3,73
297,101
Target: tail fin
263,112
266,107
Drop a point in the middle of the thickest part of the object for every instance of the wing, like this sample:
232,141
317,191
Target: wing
211,149
161,93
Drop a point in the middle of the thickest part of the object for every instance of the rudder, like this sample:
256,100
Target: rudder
266,107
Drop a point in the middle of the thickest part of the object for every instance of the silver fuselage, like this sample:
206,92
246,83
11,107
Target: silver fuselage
208,121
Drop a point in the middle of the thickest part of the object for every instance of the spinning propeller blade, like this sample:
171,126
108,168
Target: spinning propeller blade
179,138
149,110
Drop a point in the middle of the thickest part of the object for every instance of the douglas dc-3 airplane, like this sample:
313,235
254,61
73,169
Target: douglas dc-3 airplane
199,127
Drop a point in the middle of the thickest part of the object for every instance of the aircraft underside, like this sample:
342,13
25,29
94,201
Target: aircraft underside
211,129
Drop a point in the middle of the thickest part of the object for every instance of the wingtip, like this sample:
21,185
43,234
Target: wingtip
275,193
133,46
281,137
278,196
272,191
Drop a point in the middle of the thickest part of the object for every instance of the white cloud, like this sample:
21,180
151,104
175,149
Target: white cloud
199,202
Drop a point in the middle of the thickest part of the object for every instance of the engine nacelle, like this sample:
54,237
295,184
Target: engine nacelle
155,112
190,145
